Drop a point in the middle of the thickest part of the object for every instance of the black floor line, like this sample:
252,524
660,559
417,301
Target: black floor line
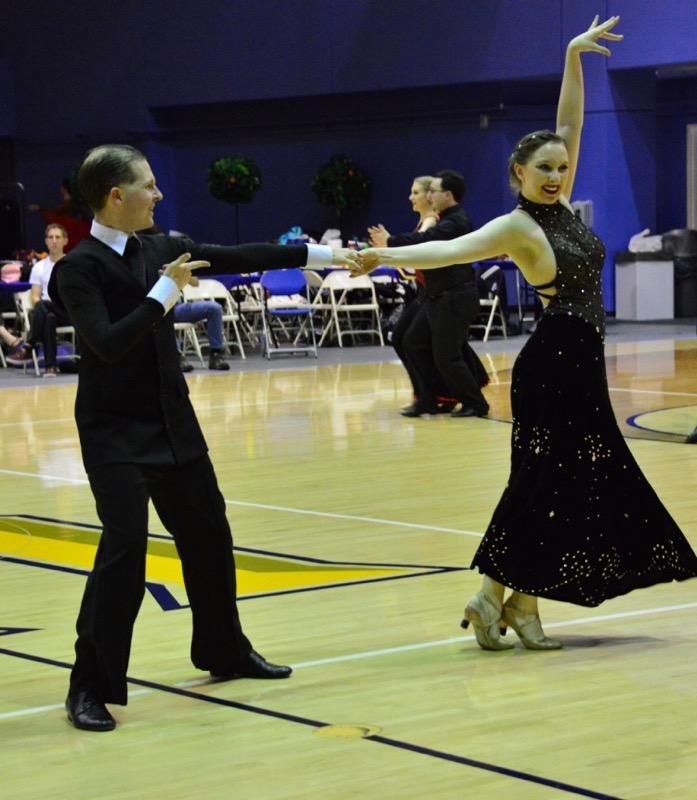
414,748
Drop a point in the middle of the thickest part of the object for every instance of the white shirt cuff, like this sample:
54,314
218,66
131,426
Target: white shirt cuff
319,255
166,292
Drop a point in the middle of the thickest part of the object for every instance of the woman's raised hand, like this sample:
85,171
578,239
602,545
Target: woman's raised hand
587,42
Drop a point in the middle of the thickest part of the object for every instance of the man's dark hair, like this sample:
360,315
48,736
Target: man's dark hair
104,167
452,181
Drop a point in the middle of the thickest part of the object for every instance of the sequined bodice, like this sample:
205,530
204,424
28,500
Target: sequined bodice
579,254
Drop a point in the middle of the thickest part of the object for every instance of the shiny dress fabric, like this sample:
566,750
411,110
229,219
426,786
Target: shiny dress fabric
578,521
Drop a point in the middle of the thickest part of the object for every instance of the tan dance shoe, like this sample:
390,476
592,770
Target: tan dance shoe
528,627
485,617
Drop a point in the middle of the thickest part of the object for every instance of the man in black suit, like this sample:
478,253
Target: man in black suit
438,333
139,434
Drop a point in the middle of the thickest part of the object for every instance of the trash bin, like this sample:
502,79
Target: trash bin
681,244
644,286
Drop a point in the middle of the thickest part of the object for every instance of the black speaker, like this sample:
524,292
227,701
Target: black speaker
10,227
12,220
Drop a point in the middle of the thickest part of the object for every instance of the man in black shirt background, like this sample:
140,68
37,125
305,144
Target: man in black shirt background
439,330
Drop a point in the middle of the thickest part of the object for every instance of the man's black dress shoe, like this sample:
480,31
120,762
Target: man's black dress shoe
217,361
417,409
466,411
255,666
692,438
87,713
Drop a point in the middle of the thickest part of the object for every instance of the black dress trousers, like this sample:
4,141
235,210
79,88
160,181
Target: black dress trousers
449,315
413,314
45,319
192,509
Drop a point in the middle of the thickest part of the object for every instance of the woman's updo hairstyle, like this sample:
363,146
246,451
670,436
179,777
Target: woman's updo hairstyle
424,181
524,151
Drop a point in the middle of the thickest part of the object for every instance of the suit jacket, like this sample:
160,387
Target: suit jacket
453,222
132,400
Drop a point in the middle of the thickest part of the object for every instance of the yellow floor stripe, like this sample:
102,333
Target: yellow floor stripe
256,574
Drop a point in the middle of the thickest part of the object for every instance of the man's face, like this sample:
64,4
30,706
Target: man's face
138,199
440,200
56,241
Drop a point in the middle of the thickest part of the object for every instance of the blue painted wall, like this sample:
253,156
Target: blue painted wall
7,98
656,33
174,79
676,109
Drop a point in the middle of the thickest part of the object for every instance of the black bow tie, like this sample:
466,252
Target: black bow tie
134,257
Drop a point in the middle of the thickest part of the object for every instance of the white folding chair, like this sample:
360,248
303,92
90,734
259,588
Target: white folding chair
210,289
186,333
339,286
251,309
490,304
321,316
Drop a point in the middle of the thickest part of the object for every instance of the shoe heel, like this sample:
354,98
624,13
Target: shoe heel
465,623
504,630
479,612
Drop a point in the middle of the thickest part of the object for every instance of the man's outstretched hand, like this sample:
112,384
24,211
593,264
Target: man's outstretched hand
181,268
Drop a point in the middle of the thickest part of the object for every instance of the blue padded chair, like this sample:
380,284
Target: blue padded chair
286,306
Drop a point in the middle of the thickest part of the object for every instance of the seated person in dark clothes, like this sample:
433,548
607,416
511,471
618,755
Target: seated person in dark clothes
46,317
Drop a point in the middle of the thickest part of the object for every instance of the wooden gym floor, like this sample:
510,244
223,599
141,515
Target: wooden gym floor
354,528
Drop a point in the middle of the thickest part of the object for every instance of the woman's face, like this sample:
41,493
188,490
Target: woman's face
419,198
543,177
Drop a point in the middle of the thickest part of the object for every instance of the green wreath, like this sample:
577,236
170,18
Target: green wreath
340,184
234,179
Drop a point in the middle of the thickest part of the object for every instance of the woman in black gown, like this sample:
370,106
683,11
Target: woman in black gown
577,521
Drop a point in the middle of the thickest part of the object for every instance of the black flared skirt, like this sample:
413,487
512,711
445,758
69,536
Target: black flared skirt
578,521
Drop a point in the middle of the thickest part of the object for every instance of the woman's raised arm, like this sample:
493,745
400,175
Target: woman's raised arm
570,106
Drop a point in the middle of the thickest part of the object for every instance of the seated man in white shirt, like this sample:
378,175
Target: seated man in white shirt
45,316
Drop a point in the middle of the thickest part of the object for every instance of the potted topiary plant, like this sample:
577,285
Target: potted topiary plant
341,184
234,179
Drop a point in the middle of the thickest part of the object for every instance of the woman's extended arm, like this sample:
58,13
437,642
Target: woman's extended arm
570,106
497,236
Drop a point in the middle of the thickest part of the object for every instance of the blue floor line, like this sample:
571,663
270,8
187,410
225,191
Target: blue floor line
396,743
